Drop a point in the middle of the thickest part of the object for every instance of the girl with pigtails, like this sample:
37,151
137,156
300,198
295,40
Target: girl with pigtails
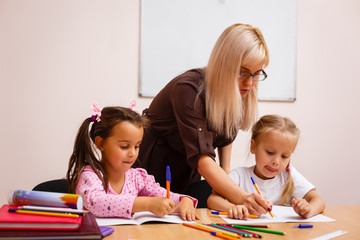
106,147
273,140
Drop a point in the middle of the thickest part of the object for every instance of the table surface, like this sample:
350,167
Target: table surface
347,218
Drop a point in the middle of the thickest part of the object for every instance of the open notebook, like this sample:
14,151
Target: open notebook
281,214
140,218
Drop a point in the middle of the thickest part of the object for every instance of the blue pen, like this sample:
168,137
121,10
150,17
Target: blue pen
168,181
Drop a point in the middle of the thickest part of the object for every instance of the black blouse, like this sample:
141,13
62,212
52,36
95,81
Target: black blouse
179,133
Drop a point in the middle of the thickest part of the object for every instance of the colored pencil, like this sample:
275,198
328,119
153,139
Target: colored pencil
219,234
246,225
196,226
237,231
242,230
53,209
259,229
258,190
70,215
218,230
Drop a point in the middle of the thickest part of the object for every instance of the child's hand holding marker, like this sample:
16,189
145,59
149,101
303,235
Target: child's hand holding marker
237,212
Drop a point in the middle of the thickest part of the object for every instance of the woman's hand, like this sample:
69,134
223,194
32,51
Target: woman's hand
301,207
186,209
160,206
238,212
257,204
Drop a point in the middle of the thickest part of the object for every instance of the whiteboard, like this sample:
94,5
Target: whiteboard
178,35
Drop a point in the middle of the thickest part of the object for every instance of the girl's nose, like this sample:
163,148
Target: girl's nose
132,152
275,161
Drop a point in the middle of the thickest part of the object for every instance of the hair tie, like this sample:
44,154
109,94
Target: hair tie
288,169
96,111
132,106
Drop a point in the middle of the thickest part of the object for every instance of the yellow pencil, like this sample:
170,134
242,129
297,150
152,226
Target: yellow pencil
70,215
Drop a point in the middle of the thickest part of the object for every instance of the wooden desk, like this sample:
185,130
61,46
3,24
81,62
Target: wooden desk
347,218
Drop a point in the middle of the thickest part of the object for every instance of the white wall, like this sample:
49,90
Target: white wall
56,56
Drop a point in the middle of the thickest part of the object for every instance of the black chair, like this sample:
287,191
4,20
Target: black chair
57,185
201,191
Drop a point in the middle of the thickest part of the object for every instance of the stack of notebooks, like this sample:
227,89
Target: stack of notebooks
26,222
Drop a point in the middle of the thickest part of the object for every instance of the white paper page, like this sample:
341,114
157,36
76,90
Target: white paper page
142,217
139,218
281,214
115,221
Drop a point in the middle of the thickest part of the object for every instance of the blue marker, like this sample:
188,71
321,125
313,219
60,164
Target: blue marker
303,226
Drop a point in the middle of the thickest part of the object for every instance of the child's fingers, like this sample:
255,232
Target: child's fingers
237,212
245,212
171,203
188,215
256,204
295,202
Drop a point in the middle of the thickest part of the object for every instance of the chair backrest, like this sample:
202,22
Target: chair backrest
57,185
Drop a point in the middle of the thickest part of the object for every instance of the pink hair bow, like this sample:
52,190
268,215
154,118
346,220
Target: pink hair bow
132,106
96,111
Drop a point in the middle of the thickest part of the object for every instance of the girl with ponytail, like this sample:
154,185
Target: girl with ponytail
100,169
273,140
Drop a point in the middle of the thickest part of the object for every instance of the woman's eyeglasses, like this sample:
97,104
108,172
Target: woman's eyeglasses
257,77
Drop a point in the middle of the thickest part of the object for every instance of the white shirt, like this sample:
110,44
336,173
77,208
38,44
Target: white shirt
271,189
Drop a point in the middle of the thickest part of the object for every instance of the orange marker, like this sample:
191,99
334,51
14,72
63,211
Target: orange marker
258,190
168,181
226,213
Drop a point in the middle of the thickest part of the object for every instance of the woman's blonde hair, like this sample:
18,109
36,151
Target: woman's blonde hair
284,125
226,111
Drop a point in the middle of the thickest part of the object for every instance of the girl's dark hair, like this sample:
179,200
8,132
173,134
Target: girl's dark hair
84,152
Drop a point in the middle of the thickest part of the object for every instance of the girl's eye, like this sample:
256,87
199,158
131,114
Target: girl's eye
137,147
284,157
124,147
270,153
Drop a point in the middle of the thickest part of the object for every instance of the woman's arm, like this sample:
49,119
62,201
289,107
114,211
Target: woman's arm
224,154
217,202
225,186
308,206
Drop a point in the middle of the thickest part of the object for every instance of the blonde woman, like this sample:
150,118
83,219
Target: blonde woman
203,109
273,140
